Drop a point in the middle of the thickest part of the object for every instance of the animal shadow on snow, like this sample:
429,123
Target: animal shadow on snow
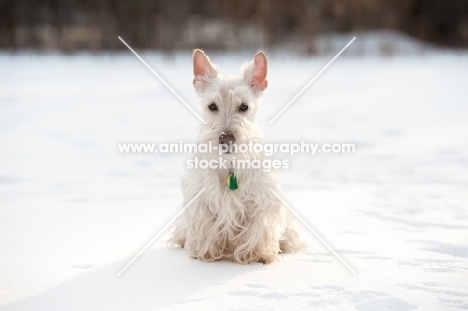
156,279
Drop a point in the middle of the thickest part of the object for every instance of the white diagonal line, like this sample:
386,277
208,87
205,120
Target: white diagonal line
310,82
164,82
315,233
159,233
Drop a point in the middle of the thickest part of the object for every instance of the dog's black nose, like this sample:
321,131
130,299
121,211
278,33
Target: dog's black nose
228,140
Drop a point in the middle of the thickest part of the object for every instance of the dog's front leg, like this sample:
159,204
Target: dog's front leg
258,242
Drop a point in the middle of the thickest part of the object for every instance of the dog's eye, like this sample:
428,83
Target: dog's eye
213,107
243,107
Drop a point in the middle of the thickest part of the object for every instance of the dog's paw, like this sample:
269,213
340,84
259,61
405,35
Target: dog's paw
267,259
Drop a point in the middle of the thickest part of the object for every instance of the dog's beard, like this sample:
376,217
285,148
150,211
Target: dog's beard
246,135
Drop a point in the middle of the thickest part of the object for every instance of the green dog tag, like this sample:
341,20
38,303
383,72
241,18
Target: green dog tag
232,182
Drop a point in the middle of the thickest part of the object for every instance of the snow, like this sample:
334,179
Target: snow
73,210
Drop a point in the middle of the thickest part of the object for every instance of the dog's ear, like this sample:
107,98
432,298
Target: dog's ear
255,72
203,69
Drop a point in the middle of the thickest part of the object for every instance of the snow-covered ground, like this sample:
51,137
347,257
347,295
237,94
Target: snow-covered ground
73,210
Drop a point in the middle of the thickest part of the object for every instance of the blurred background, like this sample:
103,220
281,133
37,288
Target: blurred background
75,25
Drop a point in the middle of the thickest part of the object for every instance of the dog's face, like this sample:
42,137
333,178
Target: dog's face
229,104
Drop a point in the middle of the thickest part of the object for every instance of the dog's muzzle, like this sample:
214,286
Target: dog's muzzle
226,140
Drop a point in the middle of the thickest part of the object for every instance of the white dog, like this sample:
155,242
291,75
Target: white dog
239,219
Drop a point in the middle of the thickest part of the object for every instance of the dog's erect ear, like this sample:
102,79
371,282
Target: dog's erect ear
203,69
255,72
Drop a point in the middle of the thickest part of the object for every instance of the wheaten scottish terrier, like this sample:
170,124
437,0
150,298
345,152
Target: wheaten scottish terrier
237,217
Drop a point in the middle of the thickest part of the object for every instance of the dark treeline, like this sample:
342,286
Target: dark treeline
177,24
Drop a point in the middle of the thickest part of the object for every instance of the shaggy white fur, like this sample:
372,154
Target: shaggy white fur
248,224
